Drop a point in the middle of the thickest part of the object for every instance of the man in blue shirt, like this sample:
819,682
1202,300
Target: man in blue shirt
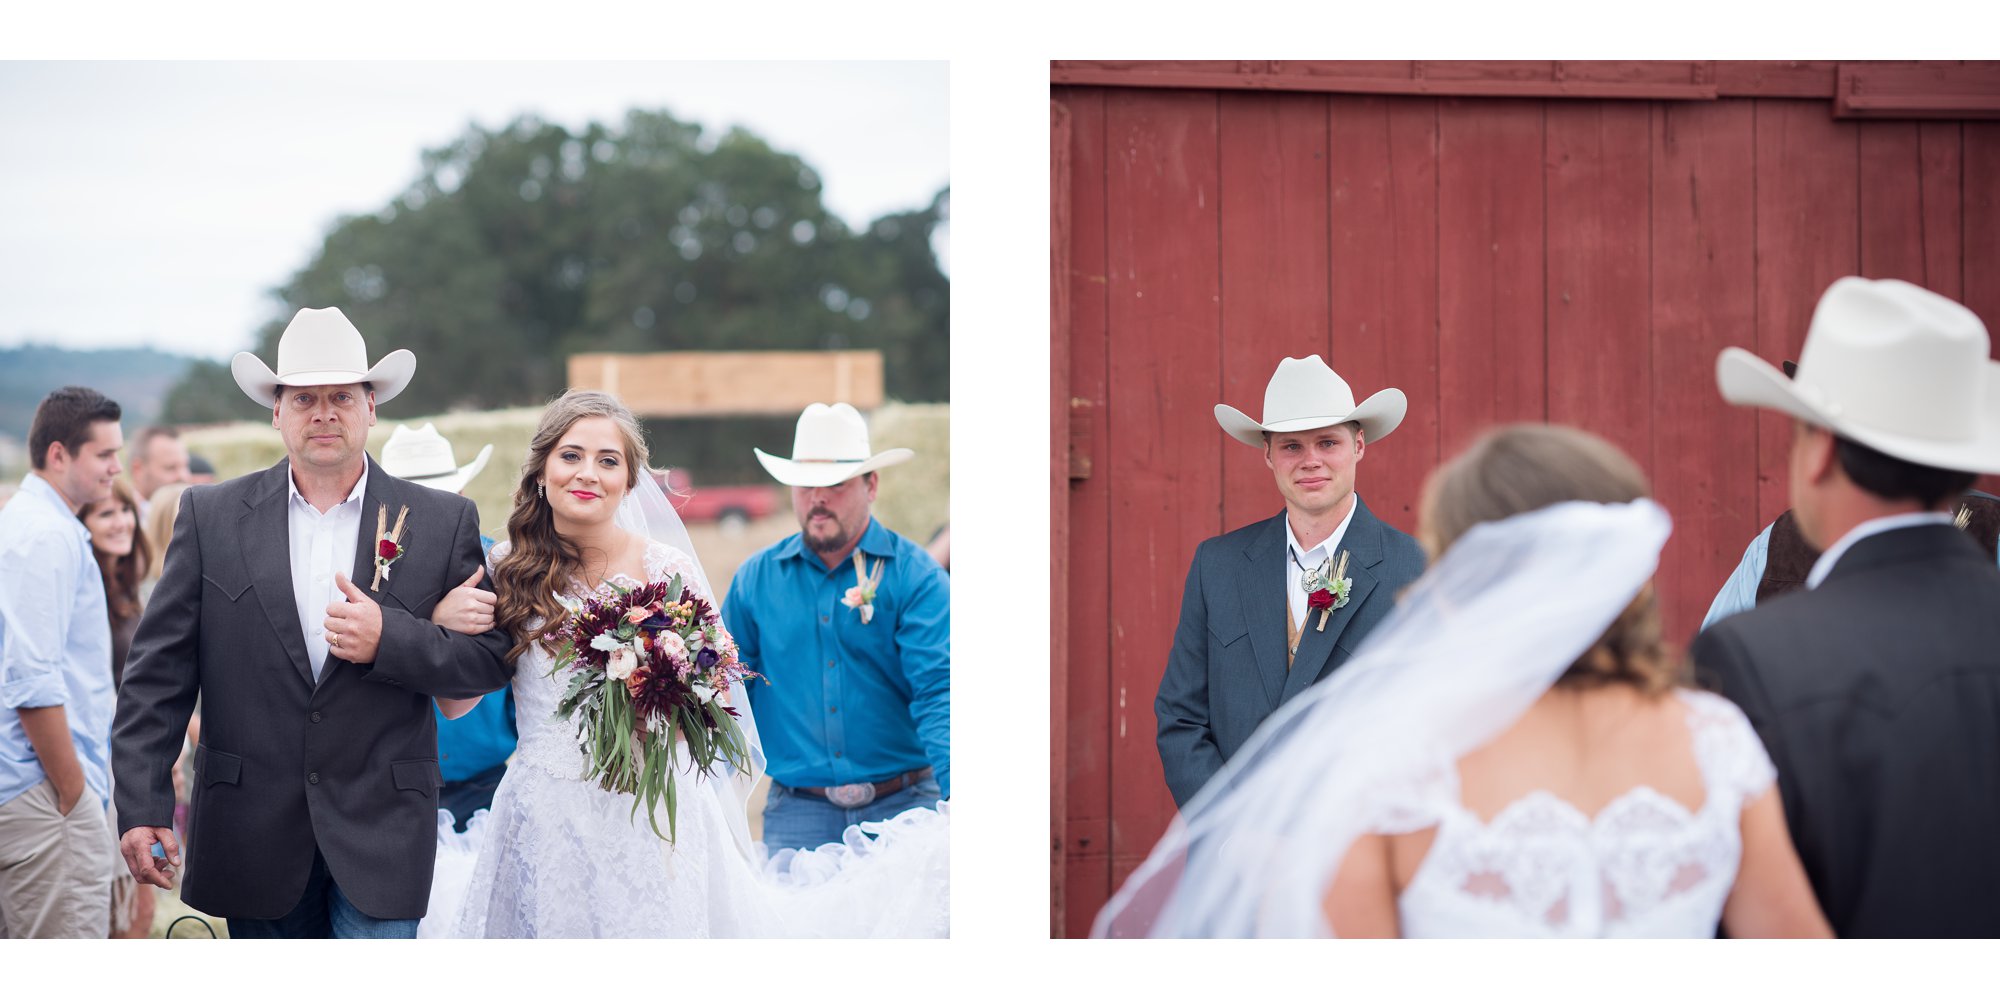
57,852
850,624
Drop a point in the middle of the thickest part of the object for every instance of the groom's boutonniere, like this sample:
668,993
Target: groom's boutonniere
1326,591
388,543
861,596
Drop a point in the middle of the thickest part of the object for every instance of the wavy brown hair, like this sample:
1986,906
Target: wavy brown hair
541,563
1524,467
121,573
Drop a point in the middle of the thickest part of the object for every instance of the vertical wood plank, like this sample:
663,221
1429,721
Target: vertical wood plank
1893,193
1704,298
1086,834
1600,343
1492,350
1165,458
1274,274
1941,162
1980,267
1059,488
1807,236
1385,281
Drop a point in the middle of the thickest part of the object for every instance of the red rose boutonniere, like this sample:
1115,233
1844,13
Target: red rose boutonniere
388,544
1327,592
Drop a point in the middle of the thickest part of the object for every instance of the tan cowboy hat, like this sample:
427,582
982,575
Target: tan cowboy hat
829,448
424,457
1304,394
1892,366
320,347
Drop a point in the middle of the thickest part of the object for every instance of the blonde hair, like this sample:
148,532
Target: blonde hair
164,504
1523,467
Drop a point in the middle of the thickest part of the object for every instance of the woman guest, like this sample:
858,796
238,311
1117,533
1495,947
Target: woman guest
123,558
158,531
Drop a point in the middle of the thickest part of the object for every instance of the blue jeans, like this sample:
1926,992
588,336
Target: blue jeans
324,912
806,821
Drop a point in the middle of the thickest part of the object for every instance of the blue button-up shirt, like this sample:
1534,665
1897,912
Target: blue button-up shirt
55,638
846,702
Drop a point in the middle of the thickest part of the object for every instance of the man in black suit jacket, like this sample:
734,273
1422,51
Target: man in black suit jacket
1877,688
307,639
1252,633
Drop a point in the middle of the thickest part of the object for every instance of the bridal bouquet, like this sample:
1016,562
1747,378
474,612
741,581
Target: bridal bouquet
647,666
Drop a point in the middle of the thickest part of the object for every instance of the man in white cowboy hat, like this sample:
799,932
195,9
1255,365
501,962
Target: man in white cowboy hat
851,625
473,748
1877,688
294,603
1275,606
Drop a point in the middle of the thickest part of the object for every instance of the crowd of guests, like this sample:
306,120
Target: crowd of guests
125,522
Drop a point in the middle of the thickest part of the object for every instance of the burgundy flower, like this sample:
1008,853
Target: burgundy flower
386,549
1319,599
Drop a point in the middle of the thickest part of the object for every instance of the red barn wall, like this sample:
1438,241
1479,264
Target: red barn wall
1521,256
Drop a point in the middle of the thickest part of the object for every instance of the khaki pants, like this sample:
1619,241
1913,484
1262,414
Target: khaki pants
55,870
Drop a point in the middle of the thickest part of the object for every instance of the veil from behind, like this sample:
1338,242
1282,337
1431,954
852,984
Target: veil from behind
1468,649
650,514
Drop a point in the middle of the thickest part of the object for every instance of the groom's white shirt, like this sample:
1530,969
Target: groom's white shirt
322,544
1295,573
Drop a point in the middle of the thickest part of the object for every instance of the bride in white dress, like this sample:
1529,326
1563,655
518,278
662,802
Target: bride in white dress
1512,754
560,857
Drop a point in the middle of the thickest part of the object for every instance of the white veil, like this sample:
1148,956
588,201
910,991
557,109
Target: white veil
647,512
1469,647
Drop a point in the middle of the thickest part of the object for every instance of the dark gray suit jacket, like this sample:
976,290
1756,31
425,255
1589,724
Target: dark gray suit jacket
1878,696
1226,672
348,766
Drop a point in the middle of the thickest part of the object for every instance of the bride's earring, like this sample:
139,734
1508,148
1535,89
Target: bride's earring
540,494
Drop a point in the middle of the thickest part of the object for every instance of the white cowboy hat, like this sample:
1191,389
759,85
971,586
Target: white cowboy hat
1897,368
1304,394
320,347
829,448
424,457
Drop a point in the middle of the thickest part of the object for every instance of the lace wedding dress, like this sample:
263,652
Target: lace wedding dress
1644,866
561,857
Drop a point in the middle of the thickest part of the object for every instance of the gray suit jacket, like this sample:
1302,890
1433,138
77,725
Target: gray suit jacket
1226,672
348,766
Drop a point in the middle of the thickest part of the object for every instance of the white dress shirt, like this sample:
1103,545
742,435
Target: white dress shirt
1295,573
1863,530
322,544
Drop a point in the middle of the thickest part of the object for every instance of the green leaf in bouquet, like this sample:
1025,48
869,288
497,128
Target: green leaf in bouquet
670,787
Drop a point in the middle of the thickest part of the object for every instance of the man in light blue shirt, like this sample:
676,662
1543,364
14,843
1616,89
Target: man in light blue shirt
57,853
1739,592
850,624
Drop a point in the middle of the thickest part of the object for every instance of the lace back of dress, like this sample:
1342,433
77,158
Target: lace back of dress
1645,865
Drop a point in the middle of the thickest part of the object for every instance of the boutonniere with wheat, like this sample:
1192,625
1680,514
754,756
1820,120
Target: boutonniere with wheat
861,596
388,542
1326,591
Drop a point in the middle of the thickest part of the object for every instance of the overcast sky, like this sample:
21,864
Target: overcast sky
157,203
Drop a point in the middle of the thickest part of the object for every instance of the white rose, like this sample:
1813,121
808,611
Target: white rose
622,663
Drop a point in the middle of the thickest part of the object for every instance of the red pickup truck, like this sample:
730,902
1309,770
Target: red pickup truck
733,507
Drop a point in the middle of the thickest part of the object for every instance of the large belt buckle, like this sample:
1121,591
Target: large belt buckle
850,796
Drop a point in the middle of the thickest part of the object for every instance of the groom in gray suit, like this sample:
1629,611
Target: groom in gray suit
1275,606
